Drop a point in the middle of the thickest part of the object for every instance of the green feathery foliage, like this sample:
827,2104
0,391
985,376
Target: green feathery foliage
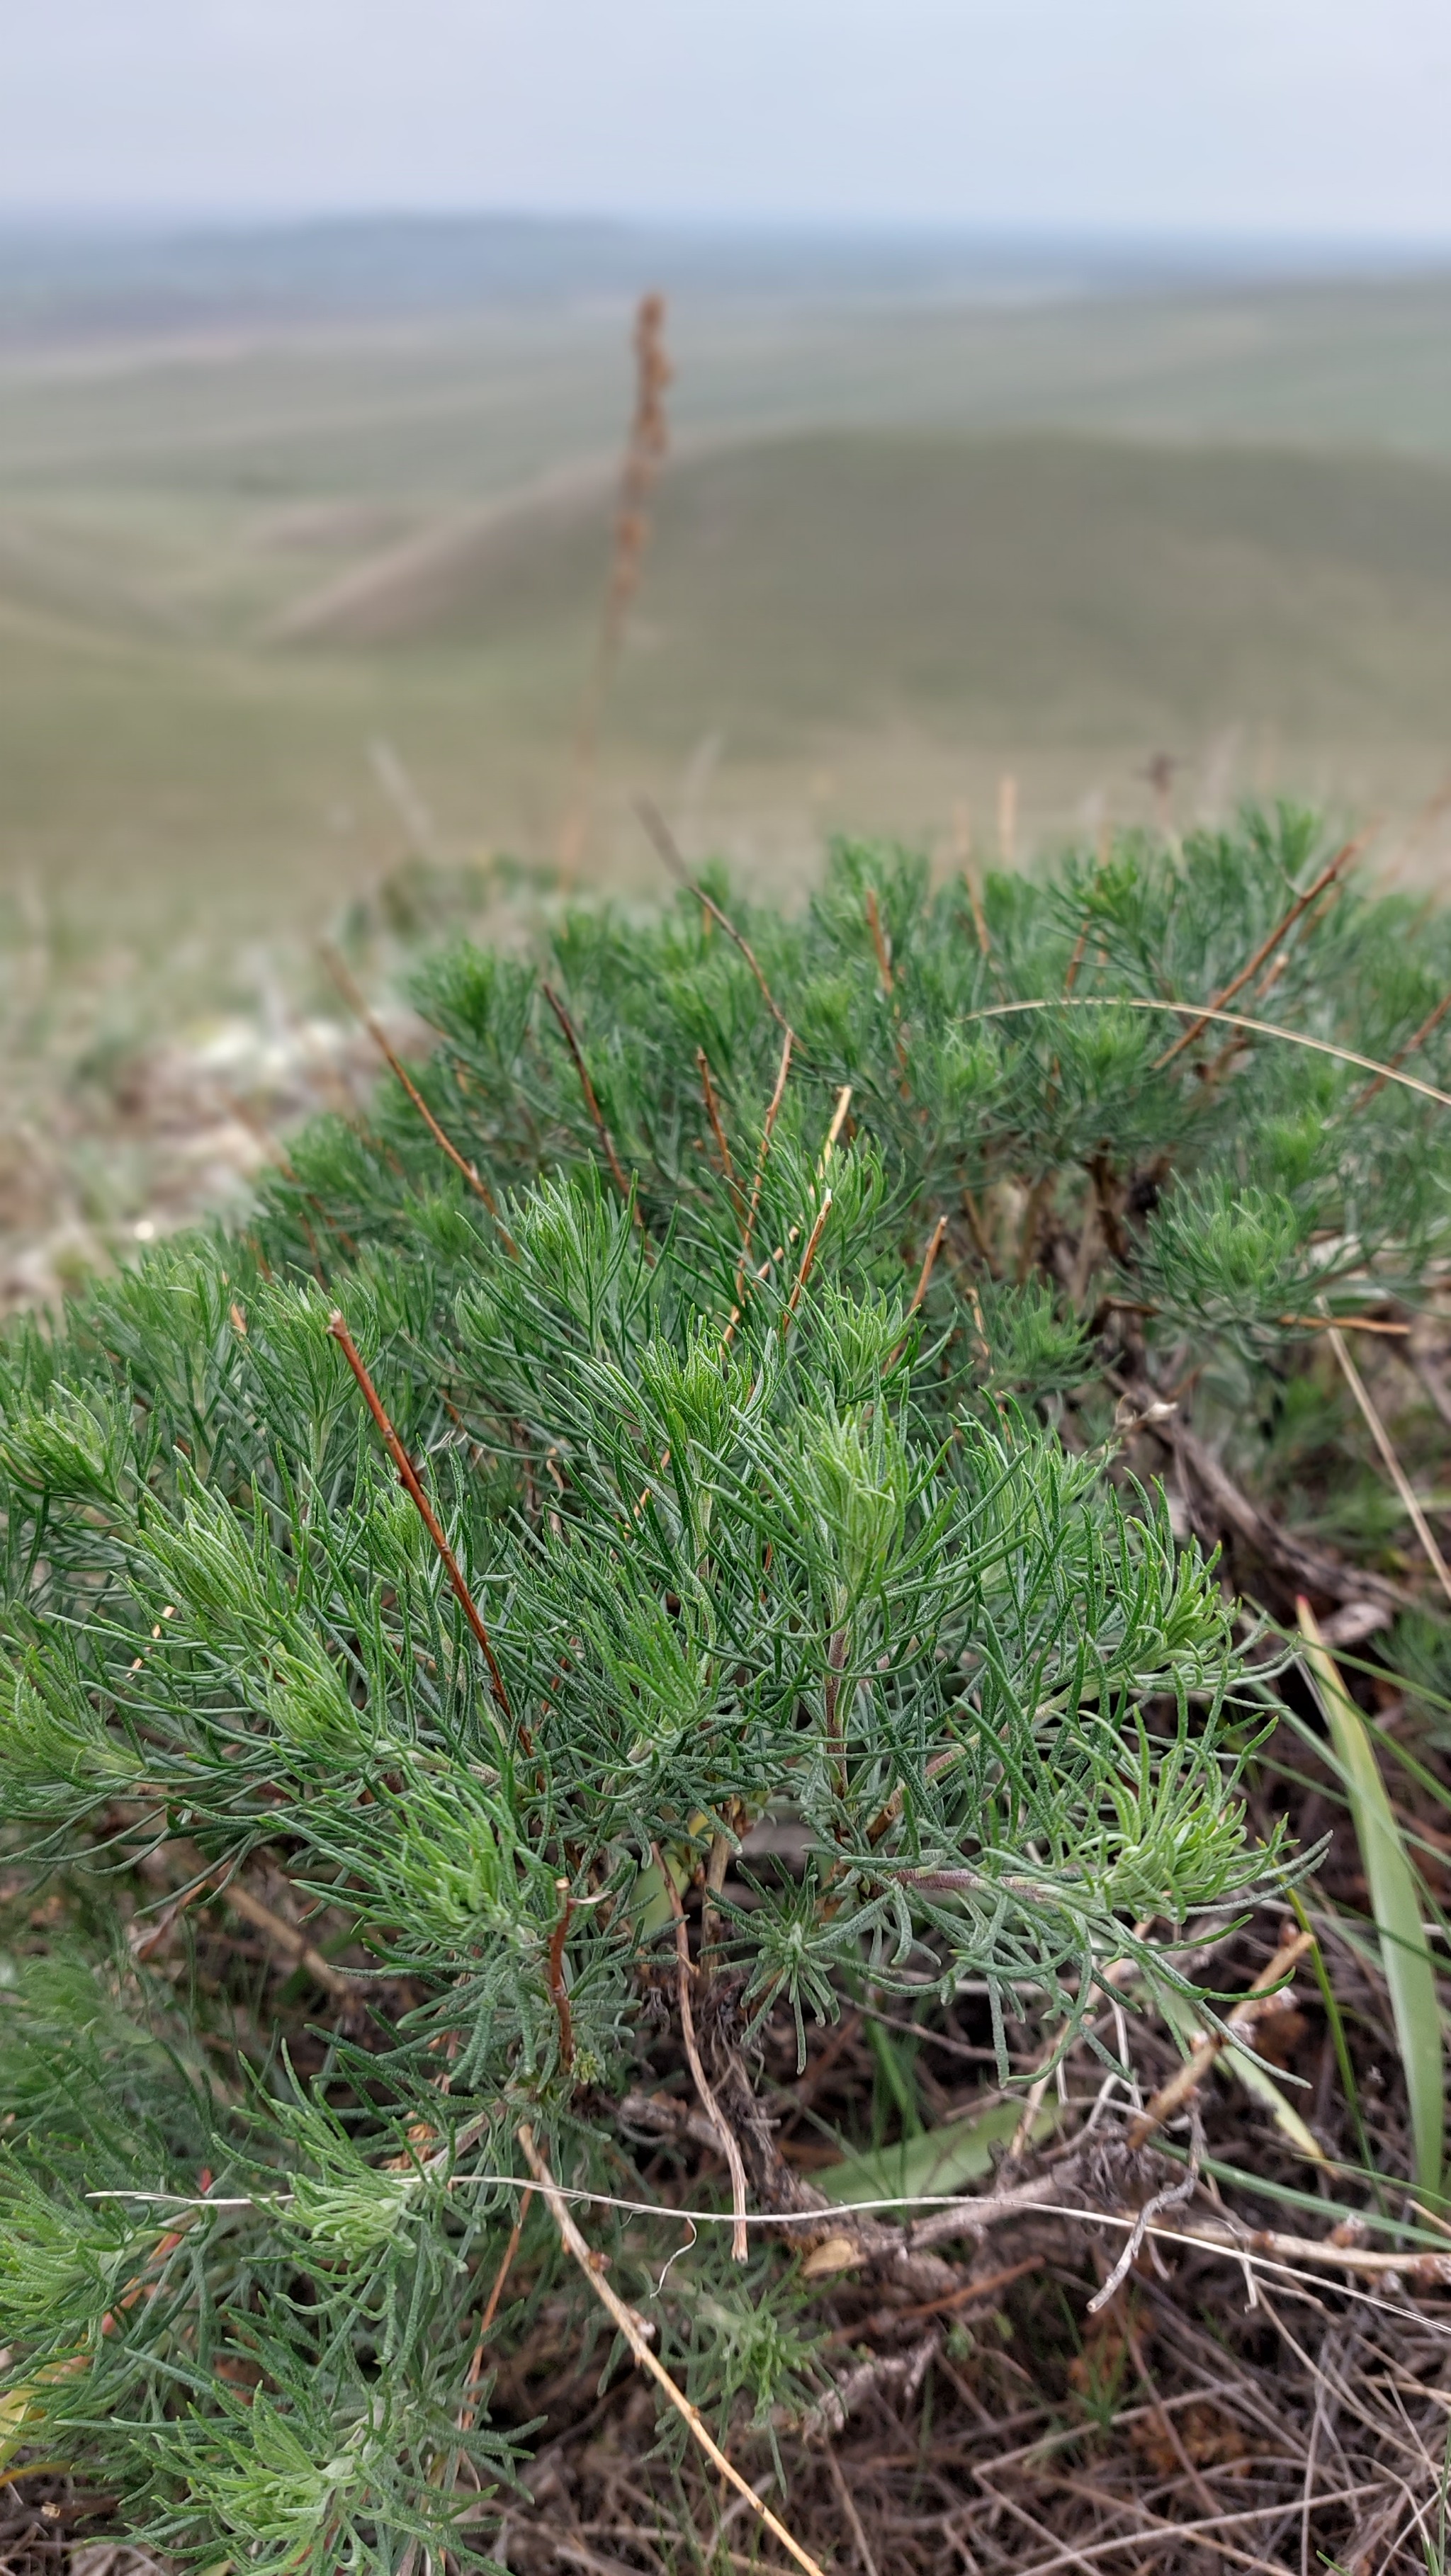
816,1573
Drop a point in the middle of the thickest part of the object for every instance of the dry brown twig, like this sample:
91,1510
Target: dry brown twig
1296,1560
929,1264
286,1937
1263,1996
924,1282
725,2135
636,2331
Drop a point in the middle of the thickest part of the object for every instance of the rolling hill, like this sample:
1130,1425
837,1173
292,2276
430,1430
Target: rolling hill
1016,589
262,505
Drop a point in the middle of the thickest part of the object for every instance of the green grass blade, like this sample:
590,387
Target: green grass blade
1253,2076
1395,1903
945,2159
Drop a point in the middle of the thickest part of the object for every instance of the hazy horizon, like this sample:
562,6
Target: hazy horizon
1160,242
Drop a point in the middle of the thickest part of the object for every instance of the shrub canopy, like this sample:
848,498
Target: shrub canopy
779,1316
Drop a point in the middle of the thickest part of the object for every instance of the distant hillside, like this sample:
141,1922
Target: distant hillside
59,280
1048,586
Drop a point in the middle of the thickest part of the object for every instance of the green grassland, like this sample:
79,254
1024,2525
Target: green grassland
905,544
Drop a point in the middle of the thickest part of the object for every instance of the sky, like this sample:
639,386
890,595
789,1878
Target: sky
1312,118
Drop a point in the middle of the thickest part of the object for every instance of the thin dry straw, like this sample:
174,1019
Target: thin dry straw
1391,1461
1231,1019
1251,2251
987,2208
637,2331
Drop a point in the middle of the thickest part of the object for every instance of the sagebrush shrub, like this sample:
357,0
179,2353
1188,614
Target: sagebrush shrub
771,1392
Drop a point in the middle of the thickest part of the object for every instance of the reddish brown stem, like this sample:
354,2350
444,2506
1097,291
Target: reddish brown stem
355,1002
772,1114
884,954
1432,1021
665,845
717,1129
1076,960
591,1102
558,1991
464,2420
924,1281
1266,948
645,453
835,1666
807,1259
408,1478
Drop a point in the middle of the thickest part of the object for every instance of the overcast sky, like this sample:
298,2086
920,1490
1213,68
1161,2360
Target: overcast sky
1253,116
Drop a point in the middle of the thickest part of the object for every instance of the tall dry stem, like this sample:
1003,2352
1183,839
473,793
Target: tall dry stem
645,452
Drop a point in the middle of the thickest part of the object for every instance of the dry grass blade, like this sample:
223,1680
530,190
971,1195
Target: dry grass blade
1346,1324
833,1133
850,2515
1229,1019
1390,1460
929,1264
1406,1960
408,1478
636,2332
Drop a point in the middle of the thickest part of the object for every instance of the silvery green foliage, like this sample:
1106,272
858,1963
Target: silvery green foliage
750,1546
